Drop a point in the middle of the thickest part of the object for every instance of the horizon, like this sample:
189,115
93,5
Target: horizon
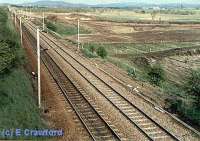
93,2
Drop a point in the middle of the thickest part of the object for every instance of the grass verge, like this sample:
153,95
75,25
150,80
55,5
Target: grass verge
18,109
17,105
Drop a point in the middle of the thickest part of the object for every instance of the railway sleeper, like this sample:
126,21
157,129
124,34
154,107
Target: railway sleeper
124,105
154,133
161,137
139,116
130,110
132,114
140,120
150,128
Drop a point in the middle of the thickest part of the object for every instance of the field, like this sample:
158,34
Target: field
135,41
176,15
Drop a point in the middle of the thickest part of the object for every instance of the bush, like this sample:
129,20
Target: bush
192,86
7,57
173,105
131,72
91,48
3,16
185,110
101,51
87,53
156,75
51,26
191,114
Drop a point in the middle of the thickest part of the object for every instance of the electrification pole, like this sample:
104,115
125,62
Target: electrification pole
30,12
38,67
20,23
15,18
78,34
43,21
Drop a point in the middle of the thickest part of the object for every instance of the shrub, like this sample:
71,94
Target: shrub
131,72
3,16
7,57
185,110
51,26
156,75
101,51
192,86
173,105
91,48
87,53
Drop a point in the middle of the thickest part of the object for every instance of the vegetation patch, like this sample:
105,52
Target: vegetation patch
64,29
94,50
101,51
88,53
17,105
192,86
18,108
7,57
184,99
156,75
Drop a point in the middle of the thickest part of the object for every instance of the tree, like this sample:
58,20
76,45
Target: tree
101,51
192,85
156,74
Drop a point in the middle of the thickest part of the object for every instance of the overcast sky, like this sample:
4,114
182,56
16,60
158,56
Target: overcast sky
107,1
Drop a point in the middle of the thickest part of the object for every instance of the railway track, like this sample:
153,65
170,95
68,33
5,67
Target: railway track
151,129
96,126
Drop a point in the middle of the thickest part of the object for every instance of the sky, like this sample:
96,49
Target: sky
106,1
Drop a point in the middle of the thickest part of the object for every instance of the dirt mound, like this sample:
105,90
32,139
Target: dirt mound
139,28
143,61
52,18
172,52
81,16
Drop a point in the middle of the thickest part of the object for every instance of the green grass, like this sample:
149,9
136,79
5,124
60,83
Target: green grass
133,49
18,108
17,105
139,74
182,103
88,53
65,29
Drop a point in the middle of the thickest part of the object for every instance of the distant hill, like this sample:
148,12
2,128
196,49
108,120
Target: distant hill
4,4
62,4
55,4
